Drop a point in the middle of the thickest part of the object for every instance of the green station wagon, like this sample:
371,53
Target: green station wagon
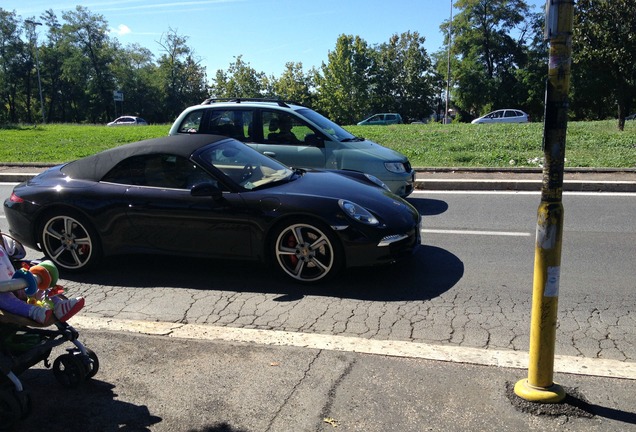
382,119
298,137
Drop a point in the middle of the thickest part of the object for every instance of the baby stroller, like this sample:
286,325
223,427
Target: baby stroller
24,343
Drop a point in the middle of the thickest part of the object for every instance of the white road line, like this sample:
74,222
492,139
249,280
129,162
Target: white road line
506,192
491,233
455,354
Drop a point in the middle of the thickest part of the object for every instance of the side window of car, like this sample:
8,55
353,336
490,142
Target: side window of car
244,129
158,170
192,122
128,172
250,128
165,171
511,113
231,123
284,128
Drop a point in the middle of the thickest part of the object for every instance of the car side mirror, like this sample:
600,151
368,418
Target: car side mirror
206,189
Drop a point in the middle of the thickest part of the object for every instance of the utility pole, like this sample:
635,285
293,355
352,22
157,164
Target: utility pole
448,75
539,386
37,65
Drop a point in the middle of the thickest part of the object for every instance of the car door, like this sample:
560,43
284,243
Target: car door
290,140
166,217
391,119
511,116
377,119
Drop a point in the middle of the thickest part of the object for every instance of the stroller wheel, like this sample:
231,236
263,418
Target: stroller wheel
69,370
91,364
10,410
94,364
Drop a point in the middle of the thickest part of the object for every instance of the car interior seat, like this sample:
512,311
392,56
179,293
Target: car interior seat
273,127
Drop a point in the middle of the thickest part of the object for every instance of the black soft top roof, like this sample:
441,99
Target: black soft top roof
94,167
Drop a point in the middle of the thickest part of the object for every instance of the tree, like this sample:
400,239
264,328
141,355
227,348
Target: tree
604,43
136,76
241,80
54,85
403,77
13,67
293,85
486,56
184,79
343,87
532,76
91,53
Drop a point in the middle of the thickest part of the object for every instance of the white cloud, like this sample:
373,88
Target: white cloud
121,30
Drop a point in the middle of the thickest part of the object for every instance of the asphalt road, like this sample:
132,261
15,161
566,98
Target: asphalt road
199,345
470,284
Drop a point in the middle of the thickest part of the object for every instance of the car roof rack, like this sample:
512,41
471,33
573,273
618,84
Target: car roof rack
280,102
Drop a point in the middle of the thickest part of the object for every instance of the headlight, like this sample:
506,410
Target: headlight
377,181
395,167
358,213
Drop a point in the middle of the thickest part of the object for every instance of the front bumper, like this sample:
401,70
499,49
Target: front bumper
402,187
387,250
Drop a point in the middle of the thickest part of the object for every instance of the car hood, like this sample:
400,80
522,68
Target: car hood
324,186
374,150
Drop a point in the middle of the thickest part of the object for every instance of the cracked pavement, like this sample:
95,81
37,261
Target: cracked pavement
497,320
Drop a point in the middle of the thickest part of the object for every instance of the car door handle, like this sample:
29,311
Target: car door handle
270,154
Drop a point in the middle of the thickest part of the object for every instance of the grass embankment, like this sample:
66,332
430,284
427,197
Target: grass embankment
589,144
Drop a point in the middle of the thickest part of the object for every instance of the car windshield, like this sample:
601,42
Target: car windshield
327,125
245,166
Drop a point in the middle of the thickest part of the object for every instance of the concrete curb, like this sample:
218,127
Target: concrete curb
523,185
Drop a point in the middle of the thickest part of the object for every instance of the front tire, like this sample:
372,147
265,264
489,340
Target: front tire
306,251
69,241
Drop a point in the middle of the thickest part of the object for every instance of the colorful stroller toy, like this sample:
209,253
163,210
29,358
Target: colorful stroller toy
25,342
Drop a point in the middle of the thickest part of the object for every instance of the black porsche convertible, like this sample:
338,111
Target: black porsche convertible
211,196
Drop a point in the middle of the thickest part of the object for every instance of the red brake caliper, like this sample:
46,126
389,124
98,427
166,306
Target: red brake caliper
291,242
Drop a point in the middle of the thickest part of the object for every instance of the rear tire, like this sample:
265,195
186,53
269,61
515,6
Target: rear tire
69,240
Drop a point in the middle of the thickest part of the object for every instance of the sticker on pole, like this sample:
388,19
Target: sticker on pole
552,282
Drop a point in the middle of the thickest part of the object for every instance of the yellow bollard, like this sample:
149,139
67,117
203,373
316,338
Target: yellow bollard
539,386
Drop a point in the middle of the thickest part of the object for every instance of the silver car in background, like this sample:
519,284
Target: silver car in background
503,116
298,137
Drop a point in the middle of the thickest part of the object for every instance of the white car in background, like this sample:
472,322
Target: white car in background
128,121
503,116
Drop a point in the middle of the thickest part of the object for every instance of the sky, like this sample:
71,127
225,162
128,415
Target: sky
266,33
